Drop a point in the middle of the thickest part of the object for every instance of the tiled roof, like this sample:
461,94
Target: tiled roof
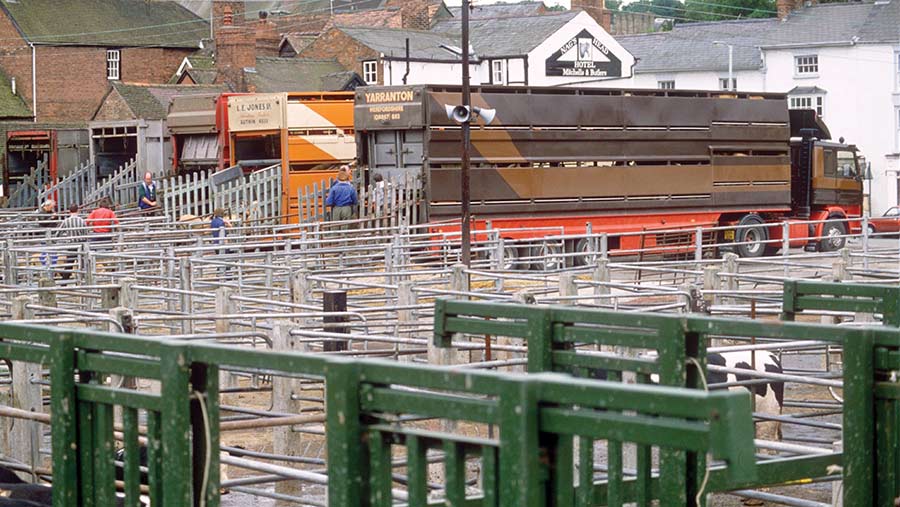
298,75
507,36
692,46
12,107
124,23
151,102
392,42
503,10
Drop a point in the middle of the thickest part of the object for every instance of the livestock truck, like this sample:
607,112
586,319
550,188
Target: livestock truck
198,128
564,161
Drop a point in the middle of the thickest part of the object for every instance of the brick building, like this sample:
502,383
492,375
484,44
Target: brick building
64,55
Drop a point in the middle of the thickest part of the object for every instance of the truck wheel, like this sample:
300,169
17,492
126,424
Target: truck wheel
832,237
753,237
872,230
511,255
548,257
585,256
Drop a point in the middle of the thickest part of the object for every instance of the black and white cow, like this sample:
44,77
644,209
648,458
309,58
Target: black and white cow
769,394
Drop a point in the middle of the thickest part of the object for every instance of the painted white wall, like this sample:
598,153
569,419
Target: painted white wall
861,86
430,73
747,80
535,68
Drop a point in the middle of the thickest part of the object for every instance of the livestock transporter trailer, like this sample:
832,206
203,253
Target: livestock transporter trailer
566,160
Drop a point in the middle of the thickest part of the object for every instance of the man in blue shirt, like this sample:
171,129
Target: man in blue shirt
218,224
342,197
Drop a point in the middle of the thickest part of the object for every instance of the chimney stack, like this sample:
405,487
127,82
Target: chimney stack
596,9
268,38
235,50
226,13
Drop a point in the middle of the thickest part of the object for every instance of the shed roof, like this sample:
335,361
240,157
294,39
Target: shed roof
124,23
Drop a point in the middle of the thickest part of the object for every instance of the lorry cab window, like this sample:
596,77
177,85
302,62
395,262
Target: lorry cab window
847,164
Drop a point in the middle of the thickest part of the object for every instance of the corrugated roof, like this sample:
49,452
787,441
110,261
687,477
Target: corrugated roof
124,23
507,36
690,46
151,102
392,42
299,75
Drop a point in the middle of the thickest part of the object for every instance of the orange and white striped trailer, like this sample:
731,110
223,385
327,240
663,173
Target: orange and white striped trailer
310,134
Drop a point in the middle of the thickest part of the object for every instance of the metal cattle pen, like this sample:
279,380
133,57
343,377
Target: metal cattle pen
266,289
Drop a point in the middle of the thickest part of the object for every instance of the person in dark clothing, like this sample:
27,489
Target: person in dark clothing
342,198
147,194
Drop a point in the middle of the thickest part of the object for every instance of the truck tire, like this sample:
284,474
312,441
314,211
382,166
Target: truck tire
548,257
753,237
833,236
511,258
585,256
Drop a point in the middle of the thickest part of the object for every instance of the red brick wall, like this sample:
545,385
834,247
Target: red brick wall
335,44
72,80
114,108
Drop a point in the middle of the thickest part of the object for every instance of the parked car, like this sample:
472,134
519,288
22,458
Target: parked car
889,223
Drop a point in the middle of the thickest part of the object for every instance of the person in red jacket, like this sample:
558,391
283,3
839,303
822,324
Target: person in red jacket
102,219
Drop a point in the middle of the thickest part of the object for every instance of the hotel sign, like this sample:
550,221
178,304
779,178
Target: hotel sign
584,56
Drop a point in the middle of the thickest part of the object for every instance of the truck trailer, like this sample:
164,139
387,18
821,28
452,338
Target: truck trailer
309,133
198,128
618,161
64,148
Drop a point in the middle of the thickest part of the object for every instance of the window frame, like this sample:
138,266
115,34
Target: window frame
114,64
806,65
665,84
815,102
498,67
370,67
723,84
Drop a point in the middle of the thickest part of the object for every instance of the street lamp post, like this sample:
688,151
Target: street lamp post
730,85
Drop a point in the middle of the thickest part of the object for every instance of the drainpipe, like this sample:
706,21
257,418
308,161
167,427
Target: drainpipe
33,81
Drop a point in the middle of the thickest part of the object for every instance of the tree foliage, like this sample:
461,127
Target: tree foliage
703,10
718,10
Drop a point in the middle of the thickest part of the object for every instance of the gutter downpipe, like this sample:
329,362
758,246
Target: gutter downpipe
33,81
